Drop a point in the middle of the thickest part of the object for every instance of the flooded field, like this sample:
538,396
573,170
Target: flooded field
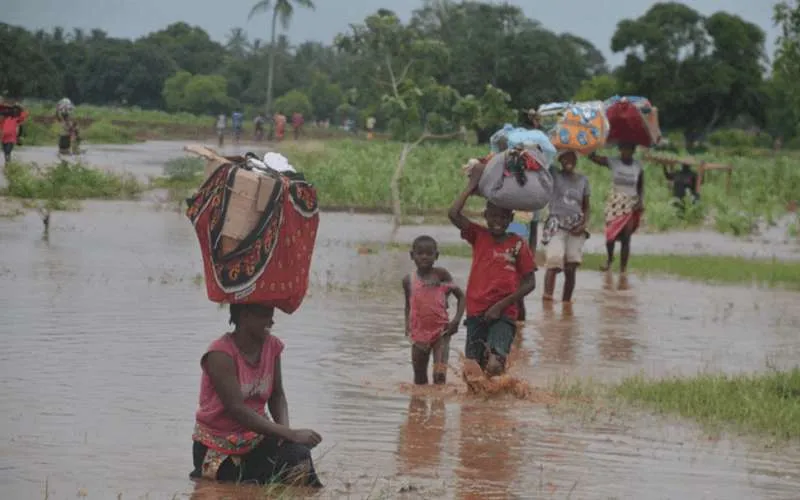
104,324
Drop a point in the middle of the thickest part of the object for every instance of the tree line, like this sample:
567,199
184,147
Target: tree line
452,64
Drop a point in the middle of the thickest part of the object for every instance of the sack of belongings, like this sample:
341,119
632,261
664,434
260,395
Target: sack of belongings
257,227
581,127
633,120
517,179
64,108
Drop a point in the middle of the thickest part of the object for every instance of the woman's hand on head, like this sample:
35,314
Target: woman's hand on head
305,437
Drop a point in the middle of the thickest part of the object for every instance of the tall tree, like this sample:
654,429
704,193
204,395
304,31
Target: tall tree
785,96
283,10
705,72
237,44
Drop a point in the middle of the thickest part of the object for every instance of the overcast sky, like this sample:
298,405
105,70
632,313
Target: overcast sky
591,19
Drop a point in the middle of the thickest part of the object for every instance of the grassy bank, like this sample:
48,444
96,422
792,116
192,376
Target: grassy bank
65,181
762,404
704,268
117,125
357,174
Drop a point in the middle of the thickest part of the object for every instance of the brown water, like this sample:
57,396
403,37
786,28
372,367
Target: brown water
104,323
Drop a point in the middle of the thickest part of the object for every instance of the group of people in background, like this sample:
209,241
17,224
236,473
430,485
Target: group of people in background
503,266
277,129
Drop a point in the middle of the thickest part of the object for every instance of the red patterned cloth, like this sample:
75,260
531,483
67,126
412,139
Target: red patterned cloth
270,266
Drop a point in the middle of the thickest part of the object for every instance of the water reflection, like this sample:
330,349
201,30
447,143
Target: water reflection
421,436
558,337
488,460
619,314
114,288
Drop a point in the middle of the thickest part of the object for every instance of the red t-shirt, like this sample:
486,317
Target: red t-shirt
497,269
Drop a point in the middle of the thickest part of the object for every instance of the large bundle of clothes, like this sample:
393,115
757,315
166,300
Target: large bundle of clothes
581,127
256,222
516,176
584,127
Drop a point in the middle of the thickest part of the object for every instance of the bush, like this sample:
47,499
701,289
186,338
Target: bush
66,181
294,101
104,132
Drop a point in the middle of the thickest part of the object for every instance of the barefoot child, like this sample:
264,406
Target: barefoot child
427,323
502,274
565,229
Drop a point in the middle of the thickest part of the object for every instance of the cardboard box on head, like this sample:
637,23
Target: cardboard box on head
251,191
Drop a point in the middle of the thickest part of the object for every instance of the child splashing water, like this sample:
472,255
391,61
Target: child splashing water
427,323
502,274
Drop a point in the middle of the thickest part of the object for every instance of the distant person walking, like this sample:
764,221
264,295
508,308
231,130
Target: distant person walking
222,122
297,124
12,118
237,120
371,127
258,122
280,126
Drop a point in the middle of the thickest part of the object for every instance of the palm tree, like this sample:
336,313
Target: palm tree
283,10
237,43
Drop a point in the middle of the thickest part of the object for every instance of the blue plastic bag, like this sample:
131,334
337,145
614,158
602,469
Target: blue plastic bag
498,136
531,138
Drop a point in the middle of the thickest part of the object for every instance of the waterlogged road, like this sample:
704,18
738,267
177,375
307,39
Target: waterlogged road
104,323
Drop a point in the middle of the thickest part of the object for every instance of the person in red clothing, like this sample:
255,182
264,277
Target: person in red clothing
297,124
234,440
502,274
12,119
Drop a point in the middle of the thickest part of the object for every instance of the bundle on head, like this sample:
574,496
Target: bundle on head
519,160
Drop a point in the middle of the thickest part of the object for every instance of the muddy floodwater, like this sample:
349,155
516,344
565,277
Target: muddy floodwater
103,325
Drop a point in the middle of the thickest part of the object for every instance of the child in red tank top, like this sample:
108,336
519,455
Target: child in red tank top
427,323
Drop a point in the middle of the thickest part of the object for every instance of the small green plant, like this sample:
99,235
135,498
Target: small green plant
185,169
67,181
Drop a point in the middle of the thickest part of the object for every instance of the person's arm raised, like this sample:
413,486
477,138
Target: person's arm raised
598,160
455,213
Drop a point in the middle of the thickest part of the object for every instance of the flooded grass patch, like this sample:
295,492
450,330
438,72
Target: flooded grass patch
705,268
68,181
761,403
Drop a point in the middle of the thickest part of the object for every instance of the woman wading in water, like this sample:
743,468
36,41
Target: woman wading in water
625,205
233,438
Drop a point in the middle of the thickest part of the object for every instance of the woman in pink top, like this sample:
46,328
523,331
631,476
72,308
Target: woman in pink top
427,322
233,438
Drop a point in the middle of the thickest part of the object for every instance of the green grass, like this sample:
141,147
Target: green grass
356,174
132,114
66,181
760,403
704,268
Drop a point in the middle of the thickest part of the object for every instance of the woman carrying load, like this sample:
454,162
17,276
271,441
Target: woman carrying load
234,440
625,204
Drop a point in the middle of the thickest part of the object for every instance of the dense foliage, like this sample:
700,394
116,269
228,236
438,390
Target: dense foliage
704,72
